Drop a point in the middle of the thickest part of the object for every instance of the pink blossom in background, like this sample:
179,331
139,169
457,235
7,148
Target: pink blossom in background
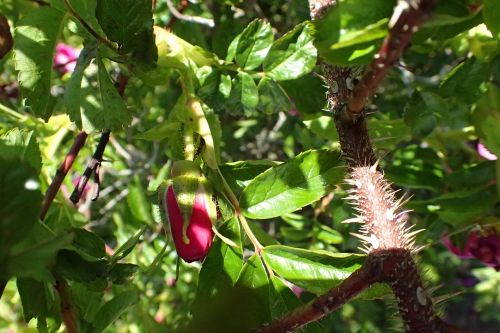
485,248
65,58
293,112
484,152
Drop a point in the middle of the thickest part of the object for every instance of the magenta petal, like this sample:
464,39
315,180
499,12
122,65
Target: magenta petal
484,152
199,231
65,58
464,254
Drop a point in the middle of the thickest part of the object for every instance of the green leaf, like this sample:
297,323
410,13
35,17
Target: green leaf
20,201
95,106
36,34
315,271
128,246
88,245
470,176
253,277
386,133
292,185
491,16
112,310
86,301
248,301
293,55
225,85
86,9
138,203
464,81
35,298
74,97
307,93
251,46
21,144
423,111
416,167
124,21
249,92
460,208
282,299
486,119
239,174
32,260
113,113
327,235
272,98
449,18
122,273
350,32
221,268
74,267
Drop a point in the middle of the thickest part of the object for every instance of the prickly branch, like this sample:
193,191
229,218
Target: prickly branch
387,238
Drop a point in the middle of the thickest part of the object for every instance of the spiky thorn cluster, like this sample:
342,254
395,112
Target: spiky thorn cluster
387,238
384,223
390,242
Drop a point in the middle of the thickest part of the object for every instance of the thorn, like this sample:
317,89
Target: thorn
373,168
353,220
413,233
442,298
362,237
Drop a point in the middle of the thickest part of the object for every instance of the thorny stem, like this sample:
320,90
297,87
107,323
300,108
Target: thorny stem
88,27
61,173
394,266
358,281
407,17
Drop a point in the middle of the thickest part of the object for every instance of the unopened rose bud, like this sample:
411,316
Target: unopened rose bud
190,211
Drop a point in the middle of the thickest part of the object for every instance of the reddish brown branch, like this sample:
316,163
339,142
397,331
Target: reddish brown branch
3,284
183,6
92,166
407,17
415,305
358,281
61,173
67,310
6,41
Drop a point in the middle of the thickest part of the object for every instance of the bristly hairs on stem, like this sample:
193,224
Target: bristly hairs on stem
384,223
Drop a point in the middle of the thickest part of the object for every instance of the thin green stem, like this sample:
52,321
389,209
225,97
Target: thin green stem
236,205
88,27
12,112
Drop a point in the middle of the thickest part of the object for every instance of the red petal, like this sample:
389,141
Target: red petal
199,230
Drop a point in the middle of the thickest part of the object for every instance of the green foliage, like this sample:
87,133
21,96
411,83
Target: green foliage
292,185
36,35
246,100
363,24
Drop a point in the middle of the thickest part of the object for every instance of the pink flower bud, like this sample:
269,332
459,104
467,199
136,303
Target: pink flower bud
199,230
65,58
187,201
